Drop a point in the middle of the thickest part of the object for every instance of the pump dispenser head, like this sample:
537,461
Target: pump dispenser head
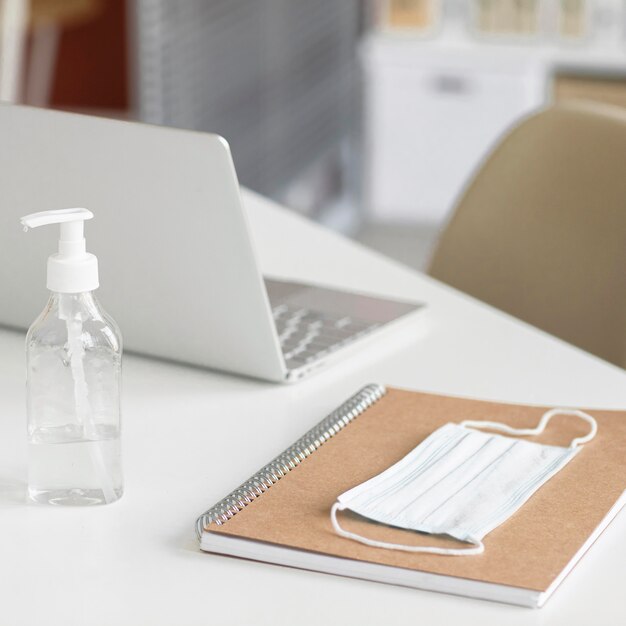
71,269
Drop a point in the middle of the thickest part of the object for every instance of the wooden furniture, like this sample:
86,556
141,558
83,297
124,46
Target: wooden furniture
43,19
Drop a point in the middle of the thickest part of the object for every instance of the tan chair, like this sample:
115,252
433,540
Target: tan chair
541,230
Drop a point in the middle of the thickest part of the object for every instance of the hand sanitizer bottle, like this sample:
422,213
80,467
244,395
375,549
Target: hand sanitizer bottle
73,353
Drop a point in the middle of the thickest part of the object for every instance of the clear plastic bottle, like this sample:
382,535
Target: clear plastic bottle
74,355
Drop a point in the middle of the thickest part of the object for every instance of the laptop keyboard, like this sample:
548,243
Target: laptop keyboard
307,335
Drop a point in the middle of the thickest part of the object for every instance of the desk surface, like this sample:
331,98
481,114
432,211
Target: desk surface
190,436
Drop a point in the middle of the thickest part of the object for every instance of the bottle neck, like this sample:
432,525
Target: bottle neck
83,305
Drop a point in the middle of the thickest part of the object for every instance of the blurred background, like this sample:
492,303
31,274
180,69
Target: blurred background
367,116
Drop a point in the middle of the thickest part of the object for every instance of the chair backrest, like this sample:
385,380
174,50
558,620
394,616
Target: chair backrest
541,230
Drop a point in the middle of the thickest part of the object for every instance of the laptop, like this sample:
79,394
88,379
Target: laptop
177,264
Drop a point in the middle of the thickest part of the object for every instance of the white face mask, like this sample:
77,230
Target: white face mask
459,482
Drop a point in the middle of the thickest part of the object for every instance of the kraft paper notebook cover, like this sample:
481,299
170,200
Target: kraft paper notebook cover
281,514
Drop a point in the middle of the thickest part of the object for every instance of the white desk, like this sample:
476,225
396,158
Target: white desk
190,436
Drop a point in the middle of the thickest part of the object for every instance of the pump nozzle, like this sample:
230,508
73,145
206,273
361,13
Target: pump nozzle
72,269
58,216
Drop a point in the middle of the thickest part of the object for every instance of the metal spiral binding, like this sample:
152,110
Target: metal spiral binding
290,458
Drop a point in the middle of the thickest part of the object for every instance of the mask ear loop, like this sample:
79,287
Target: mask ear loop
541,426
477,547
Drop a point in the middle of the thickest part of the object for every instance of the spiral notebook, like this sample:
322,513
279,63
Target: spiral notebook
281,514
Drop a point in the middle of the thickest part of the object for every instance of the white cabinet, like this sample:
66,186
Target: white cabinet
431,115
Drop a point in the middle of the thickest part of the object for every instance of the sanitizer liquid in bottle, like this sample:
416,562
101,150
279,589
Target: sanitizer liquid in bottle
73,353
